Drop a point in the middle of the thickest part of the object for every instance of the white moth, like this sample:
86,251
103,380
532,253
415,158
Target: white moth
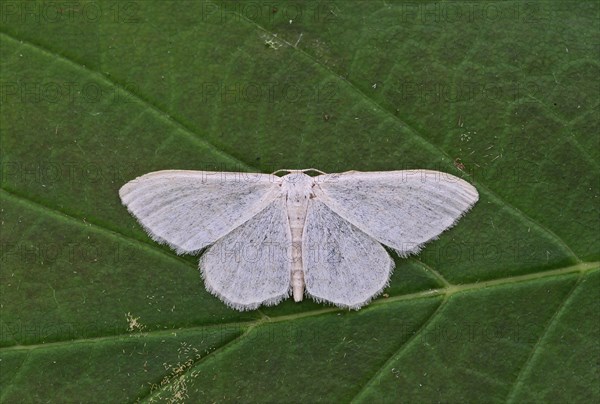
269,236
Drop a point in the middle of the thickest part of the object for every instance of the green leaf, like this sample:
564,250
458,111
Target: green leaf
503,307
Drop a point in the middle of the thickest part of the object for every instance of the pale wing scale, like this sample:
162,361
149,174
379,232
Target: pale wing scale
189,210
401,209
342,264
246,217
252,265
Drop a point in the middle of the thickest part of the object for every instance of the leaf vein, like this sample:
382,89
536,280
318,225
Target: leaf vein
160,114
580,268
549,326
439,277
62,215
16,373
424,141
401,349
149,396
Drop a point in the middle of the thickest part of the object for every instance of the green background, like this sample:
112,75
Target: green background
503,307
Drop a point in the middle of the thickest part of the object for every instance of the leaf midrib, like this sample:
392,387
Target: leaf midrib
579,269
404,345
447,290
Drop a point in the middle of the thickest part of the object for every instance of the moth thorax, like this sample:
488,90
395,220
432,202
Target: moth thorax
297,187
